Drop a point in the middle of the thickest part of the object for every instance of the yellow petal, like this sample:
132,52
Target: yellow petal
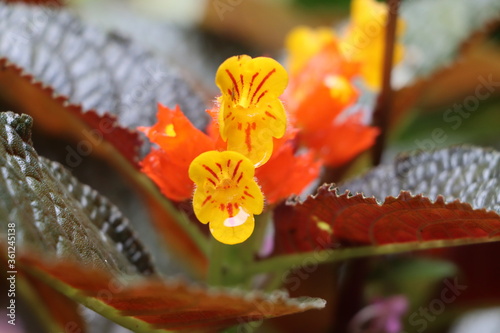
247,81
365,39
303,43
233,234
225,186
250,113
251,134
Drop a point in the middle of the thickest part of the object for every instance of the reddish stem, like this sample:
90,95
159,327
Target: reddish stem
383,107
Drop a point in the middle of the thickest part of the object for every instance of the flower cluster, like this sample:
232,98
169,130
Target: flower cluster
247,154
321,91
254,152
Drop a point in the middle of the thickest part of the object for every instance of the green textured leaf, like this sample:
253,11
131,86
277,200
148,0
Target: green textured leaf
56,215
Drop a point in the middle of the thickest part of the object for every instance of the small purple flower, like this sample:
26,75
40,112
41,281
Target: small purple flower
382,316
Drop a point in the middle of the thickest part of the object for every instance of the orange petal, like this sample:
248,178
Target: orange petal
286,173
328,63
172,178
342,142
324,104
180,143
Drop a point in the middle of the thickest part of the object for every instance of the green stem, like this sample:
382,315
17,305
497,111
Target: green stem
229,264
216,265
190,228
286,262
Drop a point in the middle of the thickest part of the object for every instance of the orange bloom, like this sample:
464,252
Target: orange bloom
318,95
342,141
180,143
286,173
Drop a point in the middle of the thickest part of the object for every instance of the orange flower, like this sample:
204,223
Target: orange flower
318,95
287,173
342,140
250,113
226,194
180,143
251,123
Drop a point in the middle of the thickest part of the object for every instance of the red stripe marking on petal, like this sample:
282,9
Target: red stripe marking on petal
219,166
211,171
251,83
242,82
261,95
270,115
228,115
236,168
210,180
248,194
262,83
228,163
222,207
239,178
235,85
206,200
230,209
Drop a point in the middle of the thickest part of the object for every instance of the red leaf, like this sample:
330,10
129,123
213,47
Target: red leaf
23,89
162,304
331,220
62,310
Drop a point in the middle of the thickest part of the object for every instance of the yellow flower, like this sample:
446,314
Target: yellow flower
250,113
365,39
303,43
226,194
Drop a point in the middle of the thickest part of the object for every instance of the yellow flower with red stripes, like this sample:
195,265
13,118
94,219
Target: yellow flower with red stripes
226,195
250,113
249,129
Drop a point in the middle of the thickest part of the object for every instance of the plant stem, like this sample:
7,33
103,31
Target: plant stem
218,256
285,262
229,264
384,103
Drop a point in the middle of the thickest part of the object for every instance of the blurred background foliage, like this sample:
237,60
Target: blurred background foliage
449,45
